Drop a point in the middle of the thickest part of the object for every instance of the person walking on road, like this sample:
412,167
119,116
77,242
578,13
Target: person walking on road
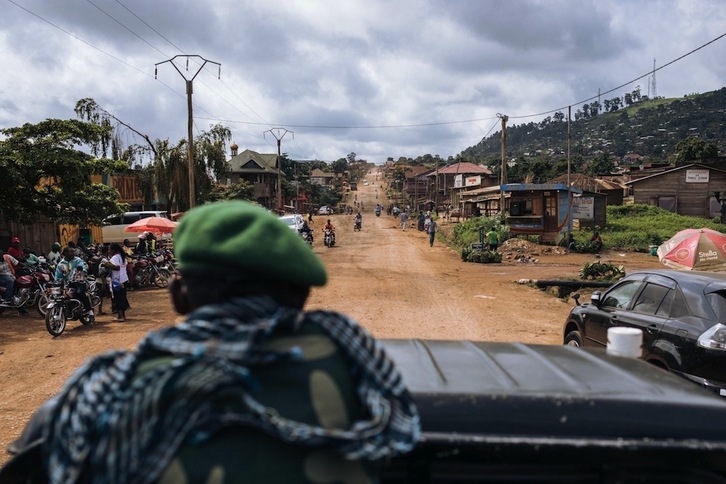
433,228
404,219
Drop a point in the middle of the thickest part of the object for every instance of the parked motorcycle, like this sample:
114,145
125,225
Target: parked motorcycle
147,271
29,290
64,306
329,238
169,262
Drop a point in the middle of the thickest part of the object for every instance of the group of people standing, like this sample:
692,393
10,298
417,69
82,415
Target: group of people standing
70,266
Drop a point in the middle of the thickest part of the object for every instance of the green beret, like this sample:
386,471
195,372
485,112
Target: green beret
236,239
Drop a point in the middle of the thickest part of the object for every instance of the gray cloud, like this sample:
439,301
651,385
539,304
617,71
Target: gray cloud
322,63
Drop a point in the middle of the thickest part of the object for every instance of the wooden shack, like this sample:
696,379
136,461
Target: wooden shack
541,209
686,190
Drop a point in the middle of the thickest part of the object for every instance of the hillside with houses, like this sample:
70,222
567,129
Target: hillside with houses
649,128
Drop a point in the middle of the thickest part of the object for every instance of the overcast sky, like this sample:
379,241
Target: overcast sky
379,78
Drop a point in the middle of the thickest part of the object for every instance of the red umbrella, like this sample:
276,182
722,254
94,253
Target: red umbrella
157,225
695,249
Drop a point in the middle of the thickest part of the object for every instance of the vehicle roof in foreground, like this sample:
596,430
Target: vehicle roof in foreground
483,391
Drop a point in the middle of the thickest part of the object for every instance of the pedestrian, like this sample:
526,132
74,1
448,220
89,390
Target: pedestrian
493,238
421,220
103,284
119,281
596,240
54,255
433,228
404,218
249,388
310,216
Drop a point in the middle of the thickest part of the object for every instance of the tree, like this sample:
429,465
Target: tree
601,165
45,175
628,99
559,116
694,149
242,190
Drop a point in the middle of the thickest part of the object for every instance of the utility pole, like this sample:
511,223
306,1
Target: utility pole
190,124
569,162
503,174
278,134
436,186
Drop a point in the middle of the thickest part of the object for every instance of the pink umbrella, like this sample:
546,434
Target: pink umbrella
695,249
157,225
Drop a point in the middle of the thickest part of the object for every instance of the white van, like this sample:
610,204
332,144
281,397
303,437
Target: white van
114,225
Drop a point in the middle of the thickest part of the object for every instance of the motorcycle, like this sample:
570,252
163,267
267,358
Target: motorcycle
168,263
307,236
29,290
147,271
64,306
378,211
357,226
329,238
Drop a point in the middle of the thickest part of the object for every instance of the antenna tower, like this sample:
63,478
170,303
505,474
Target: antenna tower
652,78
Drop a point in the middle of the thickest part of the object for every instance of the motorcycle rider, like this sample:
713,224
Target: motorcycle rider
7,279
71,270
31,258
329,226
306,231
14,250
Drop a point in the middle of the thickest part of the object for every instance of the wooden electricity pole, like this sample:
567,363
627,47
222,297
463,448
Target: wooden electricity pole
190,120
503,173
278,134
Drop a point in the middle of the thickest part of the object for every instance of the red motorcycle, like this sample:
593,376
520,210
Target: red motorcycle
30,289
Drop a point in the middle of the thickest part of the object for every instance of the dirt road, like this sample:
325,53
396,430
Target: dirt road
389,280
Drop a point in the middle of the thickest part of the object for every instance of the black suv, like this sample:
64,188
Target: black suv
681,314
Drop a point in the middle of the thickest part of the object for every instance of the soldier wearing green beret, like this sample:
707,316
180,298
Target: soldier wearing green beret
249,388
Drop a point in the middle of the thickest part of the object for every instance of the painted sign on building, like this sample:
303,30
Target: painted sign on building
583,208
697,176
472,181
458,183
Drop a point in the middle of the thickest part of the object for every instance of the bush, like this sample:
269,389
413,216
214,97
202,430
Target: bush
466,233
480,256
602,271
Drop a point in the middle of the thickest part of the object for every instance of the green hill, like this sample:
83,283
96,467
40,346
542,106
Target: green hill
649,127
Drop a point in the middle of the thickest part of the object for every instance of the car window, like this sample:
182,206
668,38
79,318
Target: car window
717,301
114,220
619,297
650,298
129,219
679,306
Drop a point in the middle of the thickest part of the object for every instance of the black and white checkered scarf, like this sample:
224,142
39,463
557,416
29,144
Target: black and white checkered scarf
112,424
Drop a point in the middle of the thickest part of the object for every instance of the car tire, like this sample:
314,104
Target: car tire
573,338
